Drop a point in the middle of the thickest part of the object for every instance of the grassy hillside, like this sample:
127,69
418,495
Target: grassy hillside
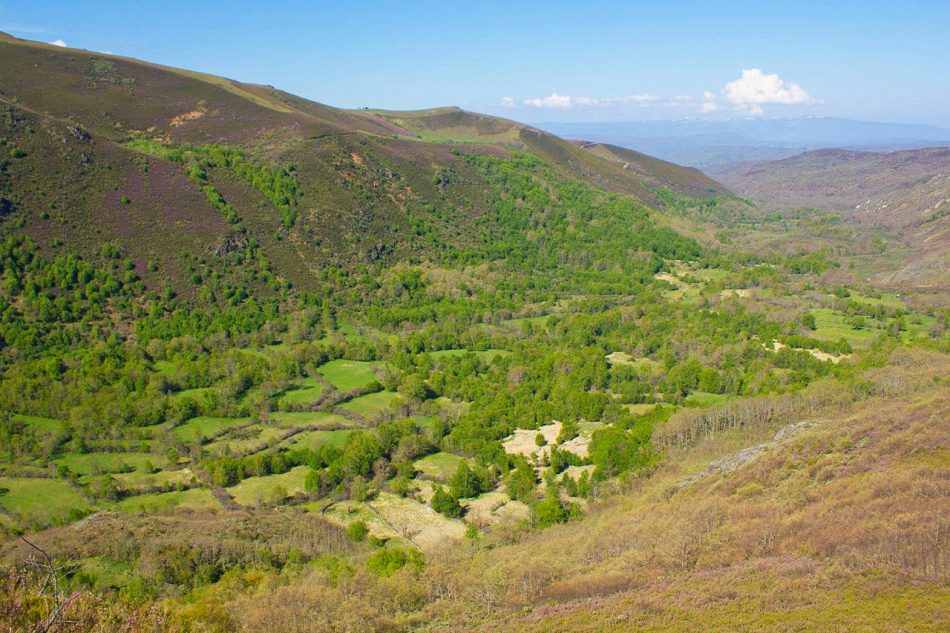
796,535
898,188
658,173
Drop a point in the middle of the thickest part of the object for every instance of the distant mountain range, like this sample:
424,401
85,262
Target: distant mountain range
699,143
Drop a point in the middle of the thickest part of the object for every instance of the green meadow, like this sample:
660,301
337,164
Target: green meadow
346,375
304,391
439,466
43,500
205,426
315,439
94,463
270,488
372,403
193,499
308,418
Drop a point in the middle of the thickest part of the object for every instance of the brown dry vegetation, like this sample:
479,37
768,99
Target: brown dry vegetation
835,529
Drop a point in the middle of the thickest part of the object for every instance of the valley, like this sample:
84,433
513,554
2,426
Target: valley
269,365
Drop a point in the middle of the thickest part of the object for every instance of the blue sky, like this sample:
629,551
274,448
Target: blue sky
543,61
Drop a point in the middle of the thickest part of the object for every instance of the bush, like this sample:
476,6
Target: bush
465,482
551,510
357,531
386,562
444,503
521,480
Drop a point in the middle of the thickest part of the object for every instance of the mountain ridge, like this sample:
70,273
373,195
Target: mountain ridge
360,173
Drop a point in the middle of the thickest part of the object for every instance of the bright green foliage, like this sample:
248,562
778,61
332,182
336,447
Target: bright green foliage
615,450
387,561
445,503
278,184
470,482
357,531
551,510
521,480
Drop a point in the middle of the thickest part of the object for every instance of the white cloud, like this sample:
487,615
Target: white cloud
566,102
560,102
641,99
585,101
646,97
58,43
747,94
709,103
755,89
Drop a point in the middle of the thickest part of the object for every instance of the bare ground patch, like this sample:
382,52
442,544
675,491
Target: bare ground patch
420,524
184,117
817,353
522,441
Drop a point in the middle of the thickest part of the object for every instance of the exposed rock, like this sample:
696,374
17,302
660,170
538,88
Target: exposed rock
231,243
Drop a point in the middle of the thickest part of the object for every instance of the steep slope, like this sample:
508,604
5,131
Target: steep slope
833,523
893,188
640,175
658,173
104,149
907,192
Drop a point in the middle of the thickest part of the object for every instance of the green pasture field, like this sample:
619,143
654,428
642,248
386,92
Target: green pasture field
254,490
44,500
193,499
372,402
205,426
439,466
90,463
346,375
304,392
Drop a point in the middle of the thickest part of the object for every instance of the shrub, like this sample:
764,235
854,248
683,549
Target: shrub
551,510
386,562
357,531
444,503
465,482
521,480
